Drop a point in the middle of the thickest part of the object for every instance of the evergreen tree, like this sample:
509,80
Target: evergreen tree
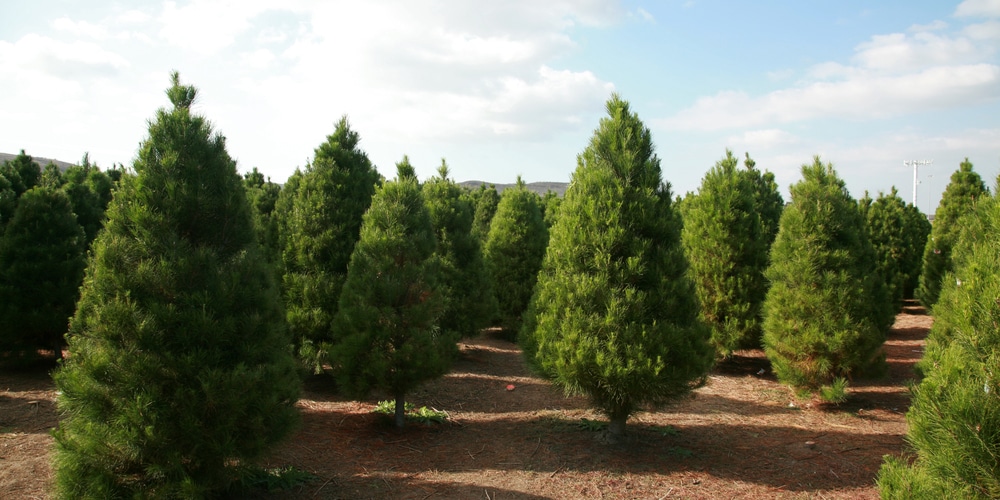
51,177
725,242
41,267
616,317
954,418
22,172
179,371
827,311
965,188
550,207
768,201
263,197
895,241
486,202
322,228
472,303
393,299
918,230
514,251
89,190
8,202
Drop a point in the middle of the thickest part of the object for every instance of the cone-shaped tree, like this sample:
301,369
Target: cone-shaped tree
89,190
486,201
616,317
472,303
827,311
42,258
918,230
322,228
768,201
550,207
8,202
514,251
23,173
263,197
965,188
896,241
726,244
954,418
179,370
393,299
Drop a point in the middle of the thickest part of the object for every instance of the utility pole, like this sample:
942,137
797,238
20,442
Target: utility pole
915,164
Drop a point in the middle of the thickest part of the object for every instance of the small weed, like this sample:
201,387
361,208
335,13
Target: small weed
592,425
667,430
423,414
272,480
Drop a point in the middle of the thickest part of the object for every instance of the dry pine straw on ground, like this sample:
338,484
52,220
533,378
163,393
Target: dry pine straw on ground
743,435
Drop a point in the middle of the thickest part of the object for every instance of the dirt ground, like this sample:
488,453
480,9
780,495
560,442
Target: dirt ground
743,435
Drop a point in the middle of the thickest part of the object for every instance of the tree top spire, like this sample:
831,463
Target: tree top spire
182,96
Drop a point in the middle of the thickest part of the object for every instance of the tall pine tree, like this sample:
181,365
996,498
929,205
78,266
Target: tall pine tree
514,251
179,371
896,239
42,257
615,316
393,300
322,227
472,303
827,311
954,418
727,241
965,188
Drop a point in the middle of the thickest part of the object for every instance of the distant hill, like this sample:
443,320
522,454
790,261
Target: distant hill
42,162
538,187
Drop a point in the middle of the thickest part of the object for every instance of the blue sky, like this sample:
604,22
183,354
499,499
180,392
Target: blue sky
516,87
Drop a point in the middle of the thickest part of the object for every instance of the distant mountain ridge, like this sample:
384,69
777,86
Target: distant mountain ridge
42,162
537,187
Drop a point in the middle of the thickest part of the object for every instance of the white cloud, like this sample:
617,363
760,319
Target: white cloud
901,52
258,59
989,30
644,15
68,60
80,28
207,26
763,139
132,17
978,8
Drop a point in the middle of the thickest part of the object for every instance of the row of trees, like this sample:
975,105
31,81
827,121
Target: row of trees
180,371
48,219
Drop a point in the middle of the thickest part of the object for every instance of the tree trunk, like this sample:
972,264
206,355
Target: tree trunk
616,428
400,410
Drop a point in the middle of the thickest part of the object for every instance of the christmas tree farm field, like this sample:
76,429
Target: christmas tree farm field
509,434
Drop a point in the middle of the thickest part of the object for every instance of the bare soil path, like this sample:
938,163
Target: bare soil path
743,435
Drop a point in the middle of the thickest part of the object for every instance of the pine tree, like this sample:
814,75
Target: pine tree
89,190
8,202
725,241
514,251
550,207
263,197
393,299
827,311
322,228
768,201
954,418
486,202
616,317
895,240
23,173
918,230
472,303
965,188
179,371
41,266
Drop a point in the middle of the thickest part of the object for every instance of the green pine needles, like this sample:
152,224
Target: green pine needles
321,229
178,371
954,418
959,198
614,315
727,237
898,233
514,251
827,312
393,300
